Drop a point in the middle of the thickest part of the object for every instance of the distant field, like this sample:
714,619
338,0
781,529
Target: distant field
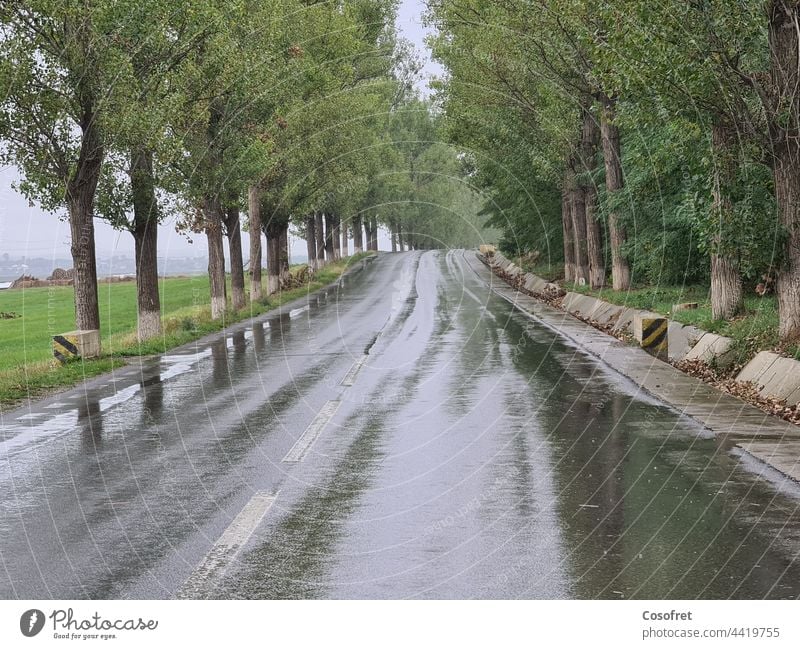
48,311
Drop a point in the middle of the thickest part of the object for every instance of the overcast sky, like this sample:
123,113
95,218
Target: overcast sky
25,230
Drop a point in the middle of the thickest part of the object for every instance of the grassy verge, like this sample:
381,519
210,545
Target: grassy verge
27,368
755,330
549,272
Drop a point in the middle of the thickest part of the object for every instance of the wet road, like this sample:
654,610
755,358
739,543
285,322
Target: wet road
405,434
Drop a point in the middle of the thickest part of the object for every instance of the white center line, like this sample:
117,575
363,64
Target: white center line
350,377
304,442
213,567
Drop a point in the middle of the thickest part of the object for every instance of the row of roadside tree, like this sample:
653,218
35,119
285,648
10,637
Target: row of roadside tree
224,115
658,140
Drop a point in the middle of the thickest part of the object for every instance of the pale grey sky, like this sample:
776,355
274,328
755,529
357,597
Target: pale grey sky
26,230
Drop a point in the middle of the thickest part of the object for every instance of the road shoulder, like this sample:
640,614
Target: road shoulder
732,421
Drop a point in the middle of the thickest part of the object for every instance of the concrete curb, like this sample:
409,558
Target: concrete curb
774,376
685,341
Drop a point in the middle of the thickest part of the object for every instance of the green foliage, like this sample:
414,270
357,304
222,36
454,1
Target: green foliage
519,74
510,103
420,183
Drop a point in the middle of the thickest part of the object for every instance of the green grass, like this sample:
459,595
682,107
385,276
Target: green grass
547,271
755,330
27,367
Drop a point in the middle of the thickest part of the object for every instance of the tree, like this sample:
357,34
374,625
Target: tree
737,64
56,78
534,65
223,149
780,94
159,38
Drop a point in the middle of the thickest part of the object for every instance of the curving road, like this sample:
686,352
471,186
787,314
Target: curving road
405,434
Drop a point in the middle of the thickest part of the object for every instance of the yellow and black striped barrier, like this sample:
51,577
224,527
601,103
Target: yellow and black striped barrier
65,347
654,338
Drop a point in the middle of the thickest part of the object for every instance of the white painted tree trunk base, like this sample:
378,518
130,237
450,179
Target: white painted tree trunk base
217,307
149,324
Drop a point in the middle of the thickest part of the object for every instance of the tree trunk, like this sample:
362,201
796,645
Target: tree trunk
335,240
273,264
81,188
612,155
726,287
373,227
367,233
358,235
311,241
784,40
320,229
726,281
233,231
590,138
145,235
787,194
273,232
569,240
594,241
214,217
343,228
283,243
254,209
394,236
212,212
578,213
329,237
400,236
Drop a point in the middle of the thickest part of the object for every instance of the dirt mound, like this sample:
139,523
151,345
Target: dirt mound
28,281
59,274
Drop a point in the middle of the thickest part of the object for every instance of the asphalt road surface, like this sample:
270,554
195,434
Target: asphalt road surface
405,434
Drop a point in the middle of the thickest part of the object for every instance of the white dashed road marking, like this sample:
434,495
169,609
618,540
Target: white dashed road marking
307,439
350,377
225,550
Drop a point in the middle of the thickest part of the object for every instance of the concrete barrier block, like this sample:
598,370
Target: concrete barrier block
640,320
651,330
794,397
534,284
681,339
82,343
625,319
781,379
756,368
569,300
606,313
584,305
712,348
589,305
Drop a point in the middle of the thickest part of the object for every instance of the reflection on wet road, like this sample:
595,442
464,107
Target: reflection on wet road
404,434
